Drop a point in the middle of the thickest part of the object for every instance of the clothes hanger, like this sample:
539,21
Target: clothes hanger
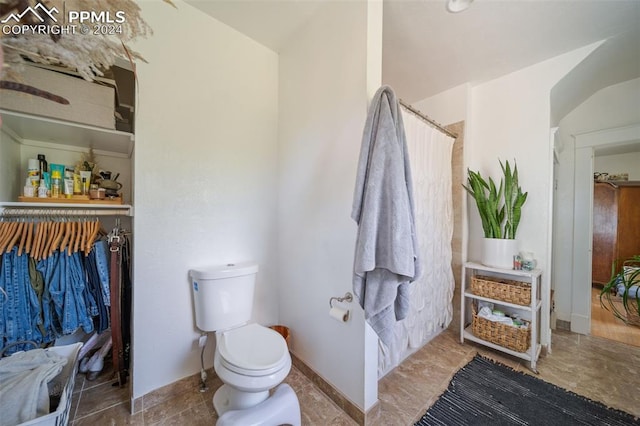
85,237
3,232
91,236
15,237
53,233
23,237
94,234
67,234
34,240
29,237
72,235
58,237
42,227
46,242
3,226
8,234
76,244
38,240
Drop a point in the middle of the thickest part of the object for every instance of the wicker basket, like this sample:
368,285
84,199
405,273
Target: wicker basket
514,338
510,291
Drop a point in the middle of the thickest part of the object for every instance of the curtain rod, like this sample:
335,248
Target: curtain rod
428,120
16,212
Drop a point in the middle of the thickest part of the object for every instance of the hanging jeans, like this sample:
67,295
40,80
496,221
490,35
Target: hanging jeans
67,292
20,314
52,325
101,256
94,287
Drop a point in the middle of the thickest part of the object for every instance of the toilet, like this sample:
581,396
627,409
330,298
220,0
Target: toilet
250,359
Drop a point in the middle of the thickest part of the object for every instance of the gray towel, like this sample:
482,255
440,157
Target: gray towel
386,255
24,394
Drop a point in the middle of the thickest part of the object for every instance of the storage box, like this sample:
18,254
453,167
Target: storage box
89,103
514,338
62,384
500,289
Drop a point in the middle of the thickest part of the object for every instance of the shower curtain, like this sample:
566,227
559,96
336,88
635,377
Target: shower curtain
431,295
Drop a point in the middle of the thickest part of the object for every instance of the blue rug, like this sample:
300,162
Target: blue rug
485,392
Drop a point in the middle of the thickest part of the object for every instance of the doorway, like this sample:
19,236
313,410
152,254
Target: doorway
623,140
617,169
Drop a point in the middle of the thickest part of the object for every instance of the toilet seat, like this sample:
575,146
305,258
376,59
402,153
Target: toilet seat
252,350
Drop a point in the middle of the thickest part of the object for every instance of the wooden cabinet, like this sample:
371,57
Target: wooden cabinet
616,226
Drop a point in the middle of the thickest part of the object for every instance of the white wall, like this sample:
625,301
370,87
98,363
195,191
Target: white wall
12,172
447,107
620,163
509,120
205,180
323,103
614,106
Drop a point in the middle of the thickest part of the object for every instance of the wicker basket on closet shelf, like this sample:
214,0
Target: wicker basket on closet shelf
510,291
515,338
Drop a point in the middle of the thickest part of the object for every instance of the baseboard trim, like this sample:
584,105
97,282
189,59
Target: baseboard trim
335,395
563,325
136,405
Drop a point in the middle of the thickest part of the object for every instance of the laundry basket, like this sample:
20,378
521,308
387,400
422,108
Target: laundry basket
62,385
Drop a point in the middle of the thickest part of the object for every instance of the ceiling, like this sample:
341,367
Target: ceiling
427,50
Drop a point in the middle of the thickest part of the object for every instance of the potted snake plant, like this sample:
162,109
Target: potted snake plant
500,209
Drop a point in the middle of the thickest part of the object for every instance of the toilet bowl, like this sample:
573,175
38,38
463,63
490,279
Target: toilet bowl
250,360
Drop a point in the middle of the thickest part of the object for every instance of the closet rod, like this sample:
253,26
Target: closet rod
428,120
11,212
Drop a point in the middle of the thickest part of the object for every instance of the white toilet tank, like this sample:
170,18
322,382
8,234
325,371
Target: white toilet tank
223,295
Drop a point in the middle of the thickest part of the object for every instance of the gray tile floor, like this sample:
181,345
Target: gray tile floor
599,369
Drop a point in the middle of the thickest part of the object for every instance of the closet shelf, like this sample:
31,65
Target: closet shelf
36,131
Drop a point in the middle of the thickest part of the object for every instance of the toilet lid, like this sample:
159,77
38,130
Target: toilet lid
252,350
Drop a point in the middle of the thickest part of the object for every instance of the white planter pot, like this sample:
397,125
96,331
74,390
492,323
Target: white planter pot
498,252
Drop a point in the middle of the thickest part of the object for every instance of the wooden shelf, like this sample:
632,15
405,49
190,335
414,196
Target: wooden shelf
40,131
76,199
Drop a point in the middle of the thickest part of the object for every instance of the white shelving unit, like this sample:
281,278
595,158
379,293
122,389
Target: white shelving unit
531,311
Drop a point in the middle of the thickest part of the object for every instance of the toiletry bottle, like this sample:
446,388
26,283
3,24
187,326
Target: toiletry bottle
47,182
33,171
68,183
28,188
43,191
77,184
43,164
56,183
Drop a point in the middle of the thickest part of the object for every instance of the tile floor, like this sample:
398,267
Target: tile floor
599,369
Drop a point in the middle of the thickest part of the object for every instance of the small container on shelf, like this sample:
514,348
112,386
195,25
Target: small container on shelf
96,193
